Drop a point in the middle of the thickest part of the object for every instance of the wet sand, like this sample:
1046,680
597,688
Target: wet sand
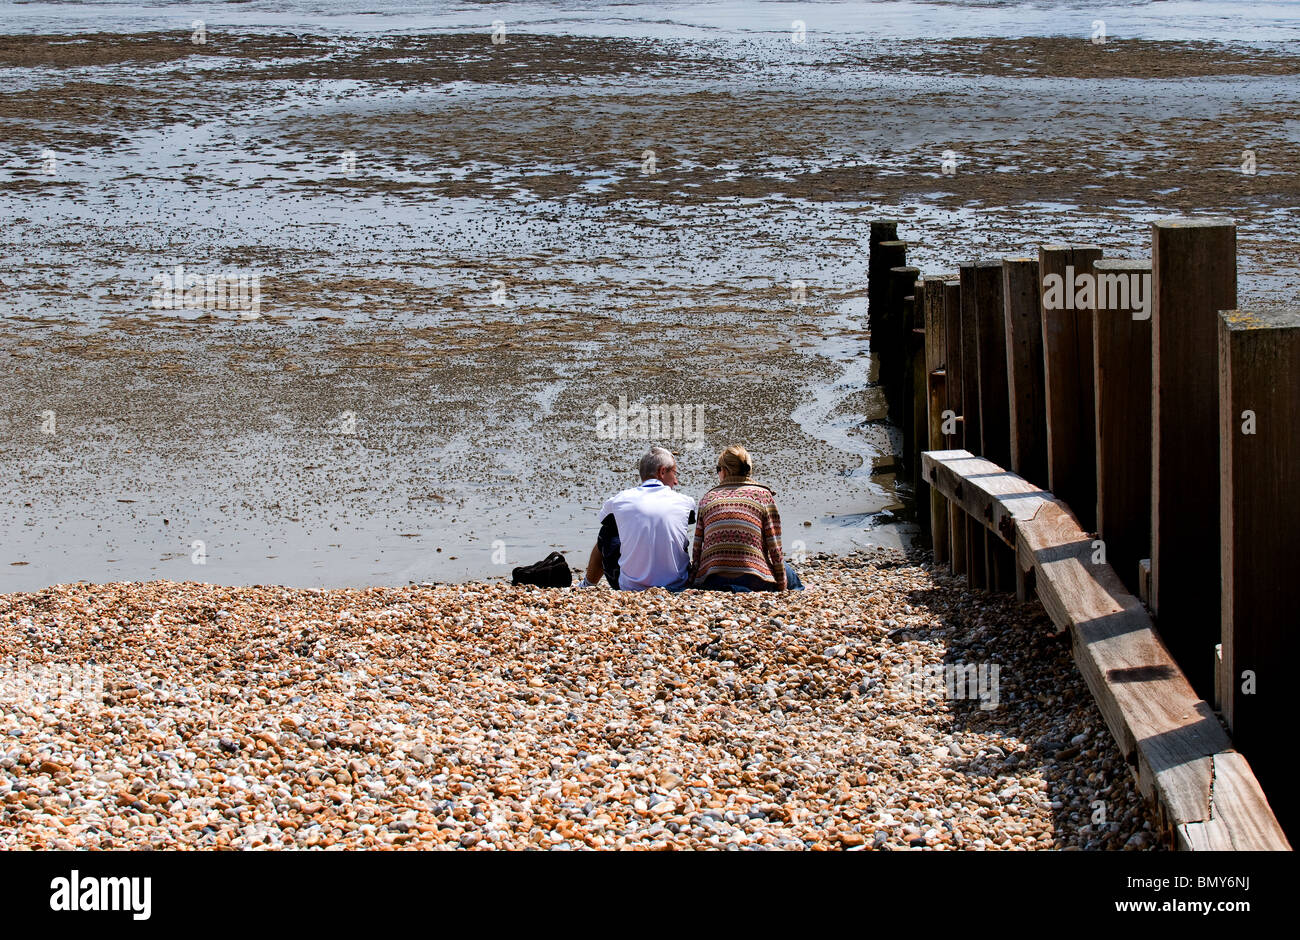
386,420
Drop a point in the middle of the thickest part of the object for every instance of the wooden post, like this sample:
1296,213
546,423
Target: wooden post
915,427
939,520
1025,586
990,321
932,318
952,387
902,284
952,360
1259,412
1067,377
970,367
976,557
1194,276
884,256
994,407
918,386
878,265
905,362
1001,564
883,230
1121,351
1024,332
932,289
957,540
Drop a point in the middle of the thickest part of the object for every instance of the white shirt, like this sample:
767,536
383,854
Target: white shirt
654,536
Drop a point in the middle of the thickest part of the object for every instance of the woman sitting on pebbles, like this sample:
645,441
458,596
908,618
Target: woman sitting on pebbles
738,533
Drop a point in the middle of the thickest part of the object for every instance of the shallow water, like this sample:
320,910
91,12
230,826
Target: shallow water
673,286
1224,20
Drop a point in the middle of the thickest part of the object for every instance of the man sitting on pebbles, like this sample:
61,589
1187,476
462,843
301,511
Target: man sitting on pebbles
645,532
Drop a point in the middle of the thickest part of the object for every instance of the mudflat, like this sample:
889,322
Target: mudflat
464,251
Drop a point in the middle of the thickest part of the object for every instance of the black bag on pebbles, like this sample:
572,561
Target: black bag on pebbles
551,571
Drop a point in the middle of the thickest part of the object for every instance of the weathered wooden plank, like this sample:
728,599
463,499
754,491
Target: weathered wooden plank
994,407
902,282
1154,715
977,572
1161,726
1209,836
885,256
957,539
952,361
919,389
1121,334
919,417
1259,514
1219,693
878,265
976,554
1063,555
1239,802
1194,276
903,389
1025,586
936,401
984,490
1026,396
991,352
883,230
938,504
916,427
970,366
932,321
954,384
1001,560
1067,377
1242,819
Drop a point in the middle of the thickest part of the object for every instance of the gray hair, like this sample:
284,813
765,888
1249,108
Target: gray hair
656,459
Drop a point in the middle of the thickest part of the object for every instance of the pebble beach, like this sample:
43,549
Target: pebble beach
167,715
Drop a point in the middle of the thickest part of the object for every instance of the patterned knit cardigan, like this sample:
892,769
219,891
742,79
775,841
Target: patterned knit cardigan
738,532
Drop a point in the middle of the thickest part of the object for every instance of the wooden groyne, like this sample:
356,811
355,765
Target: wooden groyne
1116,437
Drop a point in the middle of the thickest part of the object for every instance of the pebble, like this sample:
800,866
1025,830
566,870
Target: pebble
480,716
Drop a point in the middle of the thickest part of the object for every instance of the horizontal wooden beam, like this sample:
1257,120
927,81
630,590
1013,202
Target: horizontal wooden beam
1241,815
1168,734
983,489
